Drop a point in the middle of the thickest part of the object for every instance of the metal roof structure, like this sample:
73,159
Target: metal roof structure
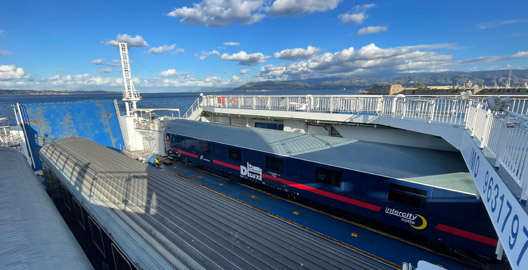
33,234
425,166
163,222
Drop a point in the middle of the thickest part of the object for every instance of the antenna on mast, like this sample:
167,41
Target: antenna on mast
130,94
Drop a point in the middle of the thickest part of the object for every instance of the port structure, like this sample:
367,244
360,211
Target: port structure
130,94
493,142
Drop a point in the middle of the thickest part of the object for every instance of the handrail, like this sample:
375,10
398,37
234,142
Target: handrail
508,142
192,108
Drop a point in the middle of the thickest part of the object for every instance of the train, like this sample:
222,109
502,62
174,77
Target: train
423,193
130,215
33,234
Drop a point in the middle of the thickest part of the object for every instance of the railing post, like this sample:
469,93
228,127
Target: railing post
254,103
474,120
485,132
502,139
331,104
432,110
287,103
379,106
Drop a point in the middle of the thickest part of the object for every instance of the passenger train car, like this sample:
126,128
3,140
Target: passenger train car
33,234
427,193
129,215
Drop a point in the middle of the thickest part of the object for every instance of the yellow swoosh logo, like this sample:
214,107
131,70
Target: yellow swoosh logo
424,223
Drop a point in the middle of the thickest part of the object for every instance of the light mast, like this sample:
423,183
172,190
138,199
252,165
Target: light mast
130,94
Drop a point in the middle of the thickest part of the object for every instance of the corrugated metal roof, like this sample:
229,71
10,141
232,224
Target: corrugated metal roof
162,220
426,166
33,234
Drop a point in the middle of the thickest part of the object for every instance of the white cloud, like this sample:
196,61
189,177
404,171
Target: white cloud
178,51
207,54
80,81
220,12
521,54
297,53
493,24
106,70
2,32
231,43
372,59
162,49
245,59
5,52
136,41
292,7
245,71
9,72
101,62
357,15
446,46
371,30
171,73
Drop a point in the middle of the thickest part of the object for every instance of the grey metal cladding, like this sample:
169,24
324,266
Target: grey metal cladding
160,220
33,234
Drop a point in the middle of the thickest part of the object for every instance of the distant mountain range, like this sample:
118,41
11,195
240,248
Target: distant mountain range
488,78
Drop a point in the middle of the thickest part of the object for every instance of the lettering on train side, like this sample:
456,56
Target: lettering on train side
416,221
251,171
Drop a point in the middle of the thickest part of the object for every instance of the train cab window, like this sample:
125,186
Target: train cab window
234,154
120,262
97,235
65,197
274,163
77,209
411,196
327,176
204,147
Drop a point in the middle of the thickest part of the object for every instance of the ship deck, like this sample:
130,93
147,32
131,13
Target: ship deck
159,217
347,233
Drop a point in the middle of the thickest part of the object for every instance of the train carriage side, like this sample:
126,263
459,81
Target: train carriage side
414,207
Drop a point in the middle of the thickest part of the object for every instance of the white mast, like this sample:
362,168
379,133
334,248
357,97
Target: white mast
130,94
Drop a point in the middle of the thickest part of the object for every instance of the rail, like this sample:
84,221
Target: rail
505,136
192,108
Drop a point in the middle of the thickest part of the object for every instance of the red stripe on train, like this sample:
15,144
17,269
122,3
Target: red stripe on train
310,189
188,154
325,193
226,165
466,234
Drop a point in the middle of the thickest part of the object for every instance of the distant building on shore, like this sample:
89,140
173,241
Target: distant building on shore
395,89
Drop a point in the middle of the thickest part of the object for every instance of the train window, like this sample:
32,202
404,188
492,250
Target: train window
179,141
66,197
77,209
97,235
408,189
204,147
120,262
274,163
234,154
407,199
327,176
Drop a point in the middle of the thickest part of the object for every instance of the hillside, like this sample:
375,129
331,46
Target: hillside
489,78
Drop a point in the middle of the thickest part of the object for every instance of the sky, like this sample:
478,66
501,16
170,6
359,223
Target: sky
191,45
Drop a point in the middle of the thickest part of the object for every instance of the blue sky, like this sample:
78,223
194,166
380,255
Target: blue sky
187,45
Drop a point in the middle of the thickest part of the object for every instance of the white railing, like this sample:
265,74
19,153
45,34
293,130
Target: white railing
192,109
506,139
